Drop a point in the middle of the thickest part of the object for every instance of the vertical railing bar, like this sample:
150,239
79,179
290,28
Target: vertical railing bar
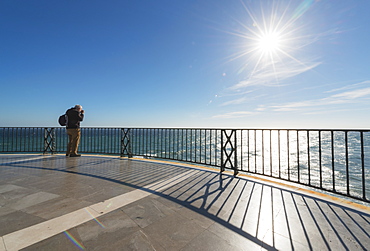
196,144
270,152
182,144
298,167
363,166
236,153
172,139
255,151
31,142
15,139
248,150
12,139
153,147
149,143
186,144
26,144
203,159
161,143
105,140
241,151
164,143
100,139
167,146
176,150
263,152
146,152
110,140
222,151
332,159
137,141
203,138
19,135
23,136
308,158
142,141
191,145
210,147
207,153
156,142
320,163
200,145
216,144
288,153
279,154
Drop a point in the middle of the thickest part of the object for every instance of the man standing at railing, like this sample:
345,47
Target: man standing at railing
75,116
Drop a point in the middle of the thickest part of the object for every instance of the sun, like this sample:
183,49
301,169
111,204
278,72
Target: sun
271,38
269,42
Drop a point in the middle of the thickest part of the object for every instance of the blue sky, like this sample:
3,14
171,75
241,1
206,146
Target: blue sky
194,63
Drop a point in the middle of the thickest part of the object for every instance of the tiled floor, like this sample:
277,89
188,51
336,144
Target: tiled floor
108,203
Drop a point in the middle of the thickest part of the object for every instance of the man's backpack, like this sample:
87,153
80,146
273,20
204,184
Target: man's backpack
63,120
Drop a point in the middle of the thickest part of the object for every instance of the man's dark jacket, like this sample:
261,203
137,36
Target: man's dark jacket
74,118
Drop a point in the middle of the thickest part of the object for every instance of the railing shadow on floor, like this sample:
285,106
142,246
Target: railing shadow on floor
270,216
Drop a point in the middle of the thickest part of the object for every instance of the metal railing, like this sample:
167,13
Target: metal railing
333,160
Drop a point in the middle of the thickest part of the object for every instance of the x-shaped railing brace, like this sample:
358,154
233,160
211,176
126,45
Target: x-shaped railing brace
49,140
125,143
231,155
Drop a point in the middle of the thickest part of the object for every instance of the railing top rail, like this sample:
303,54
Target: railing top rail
195,128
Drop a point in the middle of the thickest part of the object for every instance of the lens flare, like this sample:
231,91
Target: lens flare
95,219
74,240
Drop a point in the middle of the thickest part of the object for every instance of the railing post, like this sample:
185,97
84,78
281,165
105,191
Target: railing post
49,140
228,150
126,143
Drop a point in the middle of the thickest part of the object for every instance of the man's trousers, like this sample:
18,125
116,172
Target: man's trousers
73,140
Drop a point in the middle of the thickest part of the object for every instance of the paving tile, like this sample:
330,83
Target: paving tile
31,200
147,211
8,187
209,241
17,220
285,243
66,241
173,232
196,217
134,242
105,231
236,237
4,210
2,245
46,229
56,207
14,195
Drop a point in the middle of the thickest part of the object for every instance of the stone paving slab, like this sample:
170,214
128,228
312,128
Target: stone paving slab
108,203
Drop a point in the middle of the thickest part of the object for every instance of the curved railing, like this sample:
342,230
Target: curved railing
333,160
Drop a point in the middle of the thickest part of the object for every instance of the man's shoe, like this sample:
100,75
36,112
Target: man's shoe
75,155
67,155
